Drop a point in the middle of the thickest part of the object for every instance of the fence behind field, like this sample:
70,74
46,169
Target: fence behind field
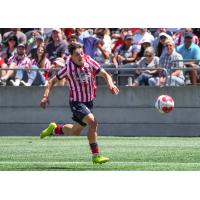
121,74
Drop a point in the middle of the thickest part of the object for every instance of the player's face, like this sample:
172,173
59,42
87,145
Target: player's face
78,57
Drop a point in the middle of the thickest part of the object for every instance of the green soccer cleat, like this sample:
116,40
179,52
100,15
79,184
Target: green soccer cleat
99,159
48,131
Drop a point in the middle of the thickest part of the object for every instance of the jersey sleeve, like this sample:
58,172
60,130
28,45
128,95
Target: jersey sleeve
62,73
95,65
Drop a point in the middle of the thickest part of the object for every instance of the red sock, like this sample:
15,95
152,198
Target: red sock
58,130
94,148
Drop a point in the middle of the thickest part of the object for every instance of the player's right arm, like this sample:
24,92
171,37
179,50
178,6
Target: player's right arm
45,99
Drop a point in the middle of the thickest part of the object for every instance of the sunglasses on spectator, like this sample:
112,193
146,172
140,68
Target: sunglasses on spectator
12,39
168,45
148,55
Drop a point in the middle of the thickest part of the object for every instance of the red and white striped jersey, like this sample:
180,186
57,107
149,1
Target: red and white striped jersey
47,63
82,80
47,66
19,61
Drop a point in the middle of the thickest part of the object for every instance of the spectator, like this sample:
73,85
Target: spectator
180,37
174,32
16,61
58,64
189,50
40,61
158,31
81,34
144,44
126,53
21,37
10,48
169,61
196,31
31,37
103,47
57,47
68,32
118,39
8,51
38,41
71,39
148,76
159,44
140,35
93,42
47,34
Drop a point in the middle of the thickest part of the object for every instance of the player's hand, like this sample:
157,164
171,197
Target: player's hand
114,89
44,102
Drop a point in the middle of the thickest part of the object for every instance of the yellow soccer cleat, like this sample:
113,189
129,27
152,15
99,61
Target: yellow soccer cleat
48,131
99,159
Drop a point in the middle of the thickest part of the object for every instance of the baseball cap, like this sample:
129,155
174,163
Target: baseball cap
57,30
21,45
60,61
188,35
127,37
163,35
146,40
39,37
12,37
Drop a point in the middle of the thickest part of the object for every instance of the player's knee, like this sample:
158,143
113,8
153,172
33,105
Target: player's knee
93,124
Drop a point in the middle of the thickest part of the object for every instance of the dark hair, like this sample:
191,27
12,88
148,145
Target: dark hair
72,47
159,49
42,59
73,37
13,37
141,52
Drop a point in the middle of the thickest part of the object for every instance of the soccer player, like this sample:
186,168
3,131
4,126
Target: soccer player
80,70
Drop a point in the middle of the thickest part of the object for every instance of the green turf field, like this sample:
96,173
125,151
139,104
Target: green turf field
125,153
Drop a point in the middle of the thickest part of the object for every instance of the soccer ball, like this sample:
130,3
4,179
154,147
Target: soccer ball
164,104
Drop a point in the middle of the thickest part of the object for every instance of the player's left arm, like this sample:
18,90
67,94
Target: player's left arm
111,86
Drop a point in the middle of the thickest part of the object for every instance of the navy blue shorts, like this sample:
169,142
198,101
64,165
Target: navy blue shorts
80,110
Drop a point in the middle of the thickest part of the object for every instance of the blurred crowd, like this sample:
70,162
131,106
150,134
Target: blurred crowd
23,52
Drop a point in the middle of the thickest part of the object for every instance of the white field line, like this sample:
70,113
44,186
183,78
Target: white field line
83,162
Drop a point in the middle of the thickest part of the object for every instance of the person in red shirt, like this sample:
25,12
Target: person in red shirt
120,38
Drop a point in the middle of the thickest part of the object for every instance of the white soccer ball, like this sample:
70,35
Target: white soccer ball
164,104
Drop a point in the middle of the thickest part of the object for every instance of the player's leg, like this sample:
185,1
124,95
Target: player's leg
92,130
68,129
57,129
92,138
